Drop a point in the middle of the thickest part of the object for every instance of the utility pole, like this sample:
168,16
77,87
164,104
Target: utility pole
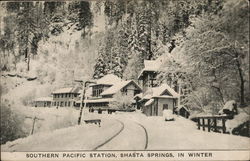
81,103
84,85
33,123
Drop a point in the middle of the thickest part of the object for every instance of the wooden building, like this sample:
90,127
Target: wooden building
42,102
183,111
65,97
155,98
147,76
106,87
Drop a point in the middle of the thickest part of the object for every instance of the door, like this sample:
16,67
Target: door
165,106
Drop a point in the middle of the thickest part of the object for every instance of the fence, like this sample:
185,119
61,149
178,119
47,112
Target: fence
212,123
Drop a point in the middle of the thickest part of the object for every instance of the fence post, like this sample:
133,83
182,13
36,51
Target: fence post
223,125
215,124
199,124
203,124
208,124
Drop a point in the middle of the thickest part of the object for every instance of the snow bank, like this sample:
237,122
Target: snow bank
237,120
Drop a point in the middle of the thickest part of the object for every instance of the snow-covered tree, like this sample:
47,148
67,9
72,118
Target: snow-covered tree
219,51
121,101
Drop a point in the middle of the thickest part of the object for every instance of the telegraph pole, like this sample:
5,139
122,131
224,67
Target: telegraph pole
84,85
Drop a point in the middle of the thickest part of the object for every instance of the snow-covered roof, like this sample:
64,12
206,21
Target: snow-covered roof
147,96
138,95
178,108
152,65
66,90
163,97
118,86
229,105
149,102
43,99
115,88
158,91
88,92
109,79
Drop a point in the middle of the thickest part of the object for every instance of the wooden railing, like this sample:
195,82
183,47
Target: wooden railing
212,123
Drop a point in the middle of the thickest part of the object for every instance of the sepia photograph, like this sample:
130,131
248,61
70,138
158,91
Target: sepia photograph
125,80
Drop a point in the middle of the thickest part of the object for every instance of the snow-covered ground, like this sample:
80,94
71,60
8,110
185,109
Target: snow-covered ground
49,119
78,137
173,135
131,138
183,134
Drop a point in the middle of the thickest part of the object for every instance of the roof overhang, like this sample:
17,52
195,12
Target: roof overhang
143,71
101,100
149,102
165,97
100,84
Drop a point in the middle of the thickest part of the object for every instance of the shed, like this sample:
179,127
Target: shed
183,111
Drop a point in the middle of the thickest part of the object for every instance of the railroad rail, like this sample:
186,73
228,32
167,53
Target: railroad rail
146,135
122,128
111,138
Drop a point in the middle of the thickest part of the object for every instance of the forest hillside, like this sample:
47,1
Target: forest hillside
204,44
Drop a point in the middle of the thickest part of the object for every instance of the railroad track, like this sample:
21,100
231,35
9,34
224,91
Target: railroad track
146,135
122,128
111,138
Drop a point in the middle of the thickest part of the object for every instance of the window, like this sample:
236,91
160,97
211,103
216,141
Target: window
97,90
165,106
69,104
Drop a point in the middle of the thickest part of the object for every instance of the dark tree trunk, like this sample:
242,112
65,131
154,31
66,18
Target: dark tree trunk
242,82
242,86
28,63
220,93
